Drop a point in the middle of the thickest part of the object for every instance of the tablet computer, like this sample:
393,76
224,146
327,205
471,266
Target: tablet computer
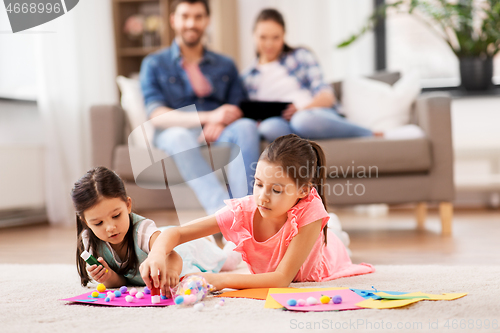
262,110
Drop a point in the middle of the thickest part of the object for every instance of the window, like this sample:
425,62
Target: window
413,45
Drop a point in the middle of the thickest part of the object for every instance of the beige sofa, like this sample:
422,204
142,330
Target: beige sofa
395,171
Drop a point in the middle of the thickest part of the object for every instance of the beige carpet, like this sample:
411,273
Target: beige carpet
30,303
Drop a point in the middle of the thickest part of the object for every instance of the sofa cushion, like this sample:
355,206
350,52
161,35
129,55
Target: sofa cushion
383,107
372,156
379,156
132,102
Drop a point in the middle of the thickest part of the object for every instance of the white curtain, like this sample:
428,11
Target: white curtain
319,25
75,64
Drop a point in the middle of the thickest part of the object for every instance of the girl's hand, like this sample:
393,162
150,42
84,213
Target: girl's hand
99,273
154,268
172,280
215,279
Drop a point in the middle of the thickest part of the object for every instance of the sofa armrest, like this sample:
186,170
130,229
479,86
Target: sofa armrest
433,112
107,123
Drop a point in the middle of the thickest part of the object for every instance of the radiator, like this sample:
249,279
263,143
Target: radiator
22,198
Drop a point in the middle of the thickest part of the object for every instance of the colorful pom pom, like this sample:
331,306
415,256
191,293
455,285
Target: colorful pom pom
337,299
311,301
291,302
199,306
132,292
123,289
147,291
140,294
95,294
101,288
324,299
118,293
107,299
190,299
222,302
129,299
179,300
301,302
193,288
163,297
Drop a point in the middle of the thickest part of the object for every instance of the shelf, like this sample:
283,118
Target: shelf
130,53
137,51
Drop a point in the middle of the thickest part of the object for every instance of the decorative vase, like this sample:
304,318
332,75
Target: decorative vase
476,73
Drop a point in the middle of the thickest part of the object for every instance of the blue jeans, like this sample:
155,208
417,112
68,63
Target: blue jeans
194,168
313,124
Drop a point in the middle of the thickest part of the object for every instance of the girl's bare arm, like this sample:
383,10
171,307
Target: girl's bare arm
295,255
165,243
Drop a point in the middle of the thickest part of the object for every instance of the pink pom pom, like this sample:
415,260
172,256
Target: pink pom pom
132,291
140,294
190,299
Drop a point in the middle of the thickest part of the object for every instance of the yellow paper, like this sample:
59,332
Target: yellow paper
389,304
386,304
429,297
271,303
443,297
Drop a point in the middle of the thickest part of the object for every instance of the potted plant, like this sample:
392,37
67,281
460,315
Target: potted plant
470,27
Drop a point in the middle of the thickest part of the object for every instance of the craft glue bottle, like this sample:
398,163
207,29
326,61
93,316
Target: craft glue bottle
90,259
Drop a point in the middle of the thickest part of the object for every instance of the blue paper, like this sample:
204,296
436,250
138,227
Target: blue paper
369,293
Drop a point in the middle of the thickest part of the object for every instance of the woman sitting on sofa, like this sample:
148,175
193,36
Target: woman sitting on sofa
284,74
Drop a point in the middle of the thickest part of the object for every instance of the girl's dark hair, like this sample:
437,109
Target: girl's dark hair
271,14
295,155
96,184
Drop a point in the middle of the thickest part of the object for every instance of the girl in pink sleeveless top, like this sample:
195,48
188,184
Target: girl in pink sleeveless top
281,230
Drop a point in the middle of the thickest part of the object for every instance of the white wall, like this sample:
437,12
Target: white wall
319,25
21,179
71,62
21,156
17,62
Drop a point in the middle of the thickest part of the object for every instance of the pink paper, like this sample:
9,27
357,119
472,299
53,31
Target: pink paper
118,301
349,300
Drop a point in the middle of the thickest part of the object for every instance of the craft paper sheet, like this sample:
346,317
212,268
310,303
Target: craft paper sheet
349,300
118,301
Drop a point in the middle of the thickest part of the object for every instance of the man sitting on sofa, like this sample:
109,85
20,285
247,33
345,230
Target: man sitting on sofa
185,74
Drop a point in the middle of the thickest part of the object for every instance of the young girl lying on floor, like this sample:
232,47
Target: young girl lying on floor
281,231
121,240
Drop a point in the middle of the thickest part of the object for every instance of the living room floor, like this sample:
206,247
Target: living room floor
391,239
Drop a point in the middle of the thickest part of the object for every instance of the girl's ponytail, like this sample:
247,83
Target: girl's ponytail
319,177
80,263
